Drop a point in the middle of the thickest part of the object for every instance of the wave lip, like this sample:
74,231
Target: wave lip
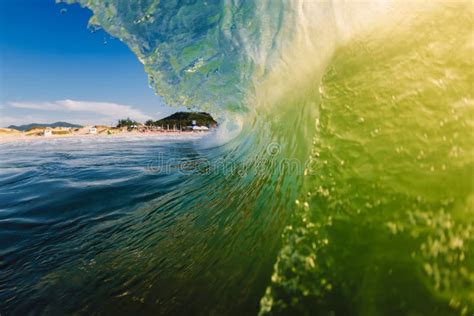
373,98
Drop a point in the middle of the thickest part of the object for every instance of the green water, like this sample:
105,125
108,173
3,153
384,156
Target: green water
352,184
385,224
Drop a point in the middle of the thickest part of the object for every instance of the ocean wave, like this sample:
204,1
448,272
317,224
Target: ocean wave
373,100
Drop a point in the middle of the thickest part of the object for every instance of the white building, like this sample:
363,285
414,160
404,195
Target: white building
200,128
93,130
48,132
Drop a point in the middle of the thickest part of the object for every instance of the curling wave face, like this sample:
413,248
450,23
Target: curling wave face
372,105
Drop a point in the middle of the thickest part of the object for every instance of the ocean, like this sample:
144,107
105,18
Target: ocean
132,224
340,180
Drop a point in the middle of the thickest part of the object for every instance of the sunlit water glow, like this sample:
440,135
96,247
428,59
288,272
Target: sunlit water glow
341,182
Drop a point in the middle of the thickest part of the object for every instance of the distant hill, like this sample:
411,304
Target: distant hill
186,119
34,125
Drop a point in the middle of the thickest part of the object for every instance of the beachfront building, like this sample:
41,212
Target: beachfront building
48,132
200,128
92,130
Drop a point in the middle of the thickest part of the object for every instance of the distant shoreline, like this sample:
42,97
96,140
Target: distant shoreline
20,137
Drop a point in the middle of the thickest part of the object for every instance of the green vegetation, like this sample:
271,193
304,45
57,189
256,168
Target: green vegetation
185,119
127,123
150,123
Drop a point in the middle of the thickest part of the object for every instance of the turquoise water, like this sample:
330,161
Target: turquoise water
339,183
124,225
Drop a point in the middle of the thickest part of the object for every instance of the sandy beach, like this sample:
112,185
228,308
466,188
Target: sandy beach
15,136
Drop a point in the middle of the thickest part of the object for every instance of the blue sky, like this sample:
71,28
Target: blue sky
53,68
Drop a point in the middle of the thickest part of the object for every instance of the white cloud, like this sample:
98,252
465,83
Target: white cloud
112,110
44,106
109,111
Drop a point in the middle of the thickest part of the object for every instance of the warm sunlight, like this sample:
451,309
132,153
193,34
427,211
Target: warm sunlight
264,157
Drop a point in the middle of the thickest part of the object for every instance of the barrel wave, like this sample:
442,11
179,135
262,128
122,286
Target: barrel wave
349,188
